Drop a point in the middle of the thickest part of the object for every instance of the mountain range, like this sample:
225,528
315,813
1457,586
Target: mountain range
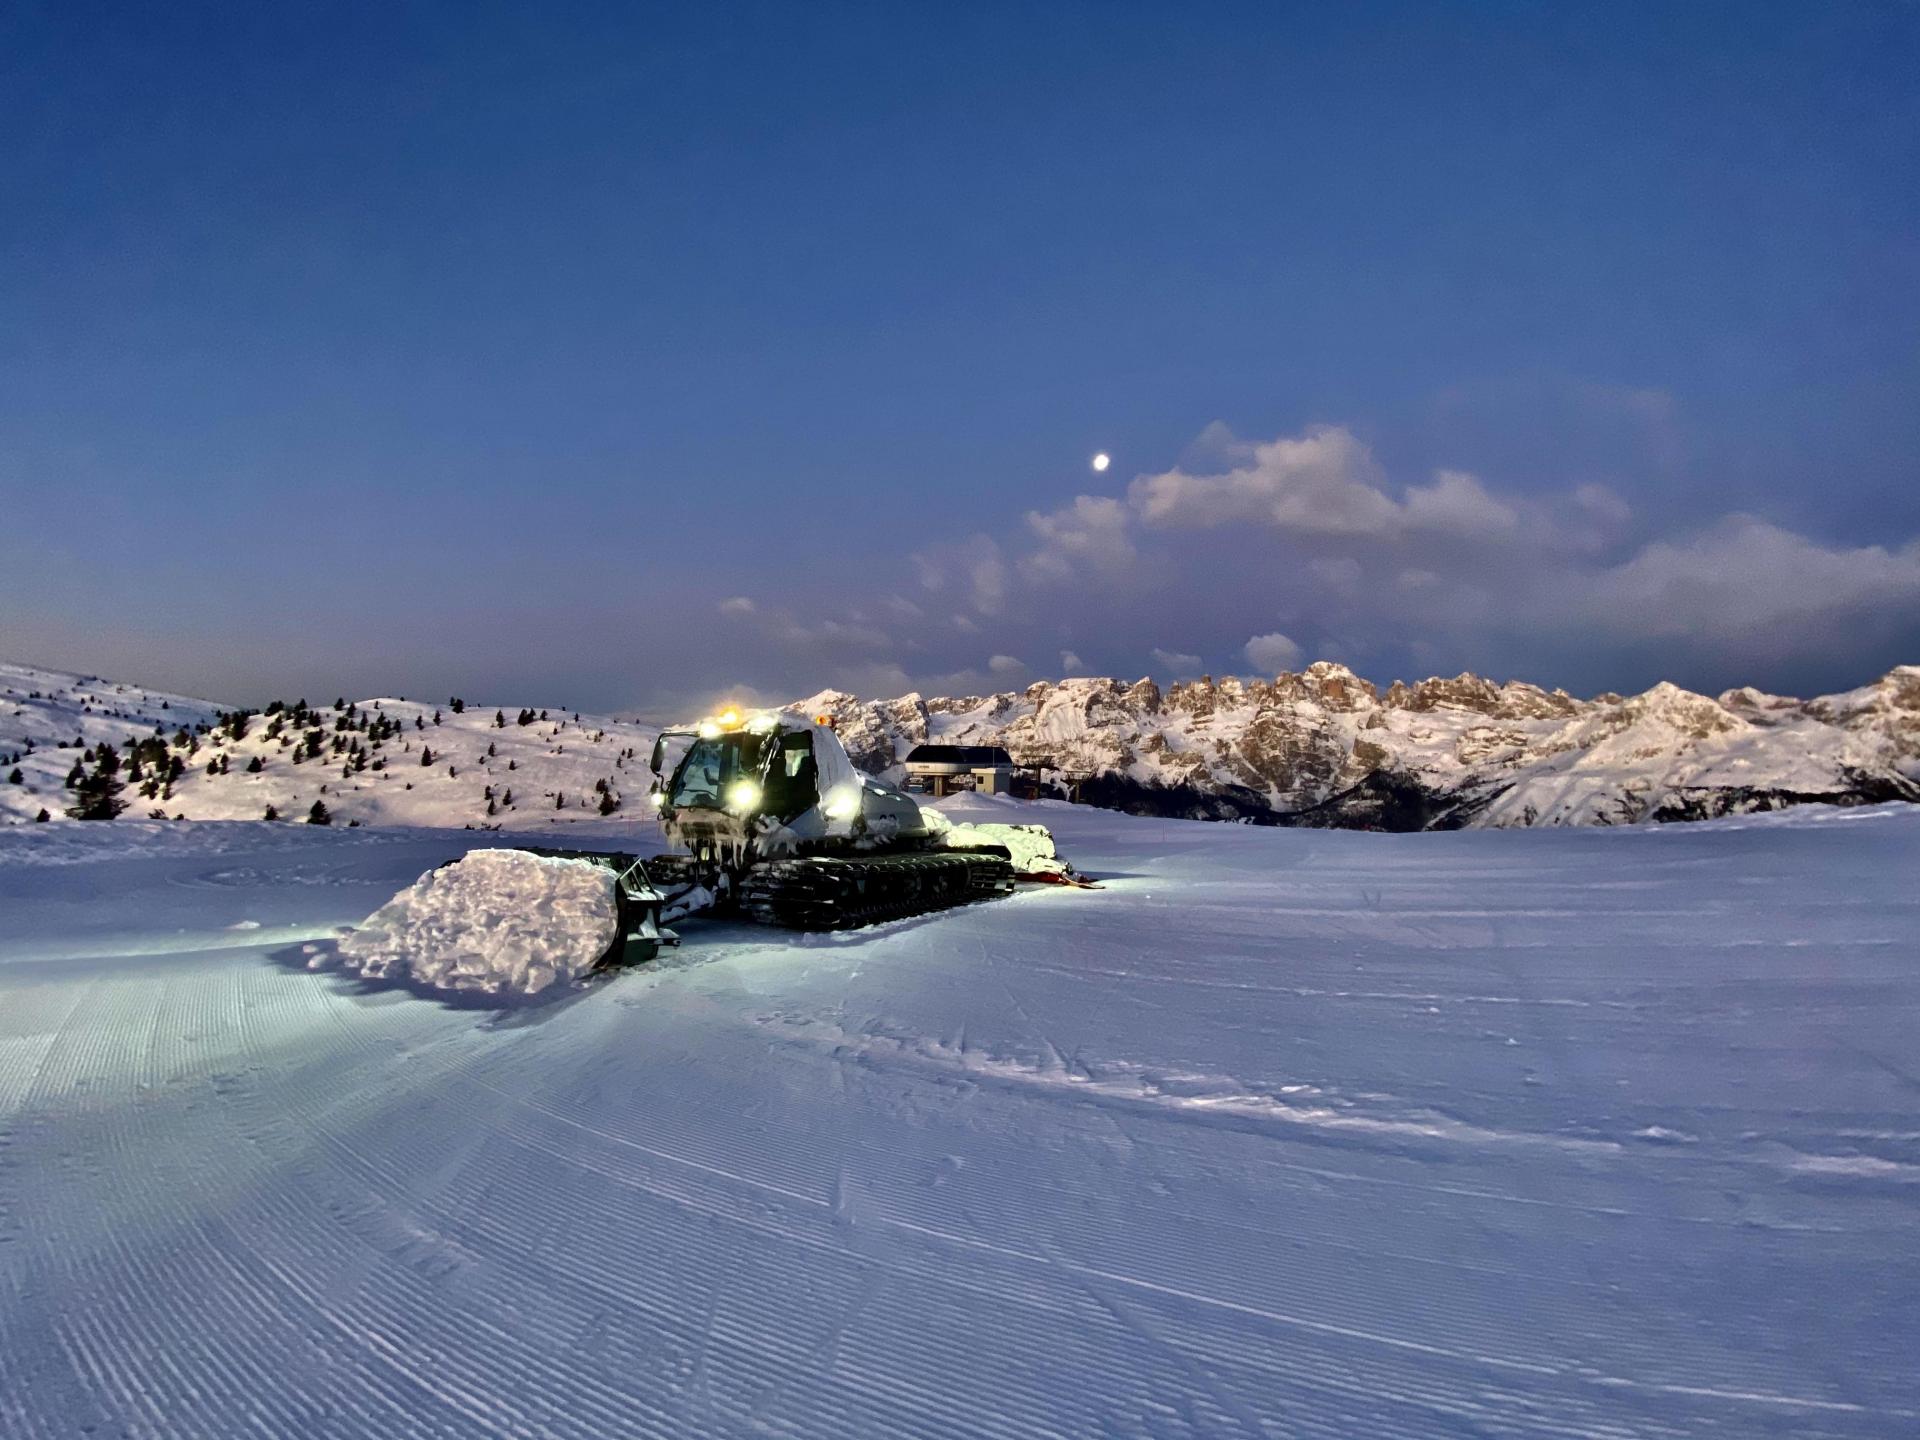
1322,747
1325,747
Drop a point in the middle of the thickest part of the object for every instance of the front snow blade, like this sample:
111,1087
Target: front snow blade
639,934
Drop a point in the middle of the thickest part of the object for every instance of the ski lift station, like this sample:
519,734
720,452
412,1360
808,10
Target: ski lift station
943,769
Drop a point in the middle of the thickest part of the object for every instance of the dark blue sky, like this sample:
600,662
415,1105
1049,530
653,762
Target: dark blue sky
456,347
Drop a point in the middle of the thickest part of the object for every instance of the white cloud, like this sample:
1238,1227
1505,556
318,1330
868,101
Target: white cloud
1089,536
1748,579
975,563
1216,448
1072,664
830,634
1457,504
1270,654
1341,573
1004,665
736,605
1180,666
1322,483
1601,503
987,576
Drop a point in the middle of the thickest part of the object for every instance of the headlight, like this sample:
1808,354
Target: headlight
843,802
657,798
743,796
762,724
708,729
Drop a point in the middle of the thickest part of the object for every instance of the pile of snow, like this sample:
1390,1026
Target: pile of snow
493,920
1031,846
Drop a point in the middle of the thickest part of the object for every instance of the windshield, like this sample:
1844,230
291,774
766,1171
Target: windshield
713,764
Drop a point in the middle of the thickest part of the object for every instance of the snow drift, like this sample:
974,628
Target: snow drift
494,920
1030,847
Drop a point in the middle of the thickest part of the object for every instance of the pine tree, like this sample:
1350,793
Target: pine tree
16,778
426,755
272,814
97,796
255,765
499,719
457,705
318,814
609,803
42,817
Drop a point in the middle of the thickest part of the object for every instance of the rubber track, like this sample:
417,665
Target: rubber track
821,893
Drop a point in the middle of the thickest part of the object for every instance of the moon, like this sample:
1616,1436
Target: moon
1101,461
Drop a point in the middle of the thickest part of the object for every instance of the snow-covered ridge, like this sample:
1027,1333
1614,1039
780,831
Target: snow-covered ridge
1322,747
384,761
1326,747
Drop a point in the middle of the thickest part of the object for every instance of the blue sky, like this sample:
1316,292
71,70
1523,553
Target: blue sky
623,354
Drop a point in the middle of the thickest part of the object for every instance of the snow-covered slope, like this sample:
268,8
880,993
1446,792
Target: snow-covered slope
1283,1133
384,761
1329,748
1323,748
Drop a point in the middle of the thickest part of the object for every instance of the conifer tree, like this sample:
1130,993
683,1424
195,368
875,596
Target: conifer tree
97,796
318,815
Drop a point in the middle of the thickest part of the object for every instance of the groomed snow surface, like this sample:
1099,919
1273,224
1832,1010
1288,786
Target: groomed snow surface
1283,1132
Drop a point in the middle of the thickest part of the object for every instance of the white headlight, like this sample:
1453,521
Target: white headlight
843,802
708,729
743,796
657,797
762,724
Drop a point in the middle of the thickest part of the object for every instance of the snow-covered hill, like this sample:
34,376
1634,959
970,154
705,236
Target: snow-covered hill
384,761
1322,748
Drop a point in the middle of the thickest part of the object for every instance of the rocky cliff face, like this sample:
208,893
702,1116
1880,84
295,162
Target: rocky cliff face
1326,747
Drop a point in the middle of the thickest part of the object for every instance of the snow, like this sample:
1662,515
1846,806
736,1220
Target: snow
1029,846
494,920
1510,755
542,774
1524,758
1282,1132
